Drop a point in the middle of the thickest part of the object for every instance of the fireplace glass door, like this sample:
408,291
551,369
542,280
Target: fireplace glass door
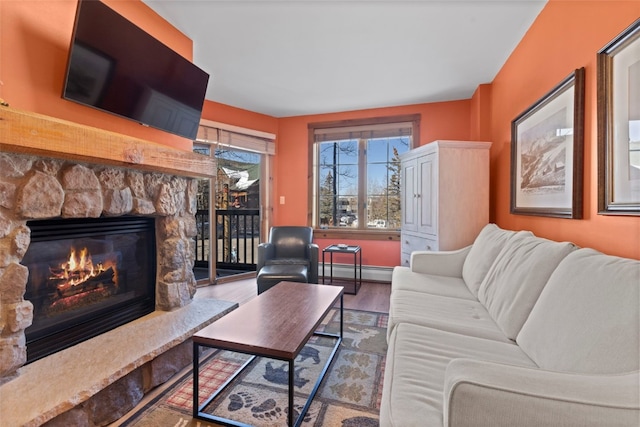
87,276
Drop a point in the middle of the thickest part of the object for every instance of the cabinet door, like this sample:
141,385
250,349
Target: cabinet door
409,195
428,194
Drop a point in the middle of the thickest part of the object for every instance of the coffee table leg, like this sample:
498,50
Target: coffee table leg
292,420
196,375
324,370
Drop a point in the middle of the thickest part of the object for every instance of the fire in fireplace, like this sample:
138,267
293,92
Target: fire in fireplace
78,276
87,276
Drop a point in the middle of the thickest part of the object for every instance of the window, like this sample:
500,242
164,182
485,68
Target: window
356,183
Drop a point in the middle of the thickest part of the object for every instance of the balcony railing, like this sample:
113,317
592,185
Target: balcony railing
237,236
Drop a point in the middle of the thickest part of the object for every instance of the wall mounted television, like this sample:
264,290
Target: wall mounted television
117,67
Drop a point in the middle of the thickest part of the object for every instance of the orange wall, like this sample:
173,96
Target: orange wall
34,43
565,36
481,113
238,117
442,120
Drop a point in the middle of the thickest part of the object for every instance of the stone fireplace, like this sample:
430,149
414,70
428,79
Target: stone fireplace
51,170
37,188
87,276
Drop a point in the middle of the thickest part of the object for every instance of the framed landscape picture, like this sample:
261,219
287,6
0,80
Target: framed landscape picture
547,153
619,124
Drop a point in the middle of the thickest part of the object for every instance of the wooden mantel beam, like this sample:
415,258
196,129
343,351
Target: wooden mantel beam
34,134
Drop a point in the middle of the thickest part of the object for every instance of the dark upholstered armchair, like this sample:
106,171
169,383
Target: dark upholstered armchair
289,255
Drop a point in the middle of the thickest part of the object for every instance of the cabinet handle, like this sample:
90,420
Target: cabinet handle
418,196
428,248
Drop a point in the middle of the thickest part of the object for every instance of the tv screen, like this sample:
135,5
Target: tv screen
117,67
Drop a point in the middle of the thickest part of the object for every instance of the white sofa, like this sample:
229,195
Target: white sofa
514,330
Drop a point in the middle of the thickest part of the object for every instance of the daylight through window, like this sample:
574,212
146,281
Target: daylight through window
357,174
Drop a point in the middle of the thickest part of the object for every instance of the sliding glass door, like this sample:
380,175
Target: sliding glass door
203,269
234,209
237,210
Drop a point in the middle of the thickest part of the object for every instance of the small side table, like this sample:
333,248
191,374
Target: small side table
339,249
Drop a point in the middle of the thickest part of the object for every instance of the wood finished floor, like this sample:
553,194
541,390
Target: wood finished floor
372,296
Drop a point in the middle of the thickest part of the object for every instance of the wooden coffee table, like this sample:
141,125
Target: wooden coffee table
275,324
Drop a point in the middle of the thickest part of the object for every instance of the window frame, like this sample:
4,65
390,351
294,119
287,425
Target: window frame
353,233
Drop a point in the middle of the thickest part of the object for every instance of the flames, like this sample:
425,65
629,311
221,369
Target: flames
79,273
78,268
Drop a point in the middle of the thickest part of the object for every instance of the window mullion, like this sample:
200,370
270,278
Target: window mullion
362,183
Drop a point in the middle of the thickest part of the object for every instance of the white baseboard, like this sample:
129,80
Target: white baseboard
369,272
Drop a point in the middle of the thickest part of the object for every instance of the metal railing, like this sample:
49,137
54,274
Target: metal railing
237,235
202,238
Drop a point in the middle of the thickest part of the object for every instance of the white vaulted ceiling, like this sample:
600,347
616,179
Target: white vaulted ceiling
297,57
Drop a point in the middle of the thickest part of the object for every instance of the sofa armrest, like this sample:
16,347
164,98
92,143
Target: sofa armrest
478,393
440,263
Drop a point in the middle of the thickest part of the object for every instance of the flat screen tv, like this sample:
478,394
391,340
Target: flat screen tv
117,67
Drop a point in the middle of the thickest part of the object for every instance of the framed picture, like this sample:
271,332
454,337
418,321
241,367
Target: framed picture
619,124
547,153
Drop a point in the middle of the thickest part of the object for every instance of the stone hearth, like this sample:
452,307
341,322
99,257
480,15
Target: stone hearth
50,168
99,380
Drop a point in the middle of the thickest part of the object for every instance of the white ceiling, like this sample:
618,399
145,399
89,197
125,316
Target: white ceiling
296,57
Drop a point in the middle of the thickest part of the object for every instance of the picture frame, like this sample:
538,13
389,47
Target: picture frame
618,112
547,143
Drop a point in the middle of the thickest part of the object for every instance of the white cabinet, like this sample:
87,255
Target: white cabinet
445,195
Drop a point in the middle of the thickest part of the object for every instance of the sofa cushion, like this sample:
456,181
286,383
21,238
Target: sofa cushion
483,253
403,278
587,318
457,315
516,278
414,373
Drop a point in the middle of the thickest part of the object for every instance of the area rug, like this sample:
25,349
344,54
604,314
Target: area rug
349,395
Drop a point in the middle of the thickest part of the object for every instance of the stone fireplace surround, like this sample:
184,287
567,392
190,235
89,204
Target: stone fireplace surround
50,168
